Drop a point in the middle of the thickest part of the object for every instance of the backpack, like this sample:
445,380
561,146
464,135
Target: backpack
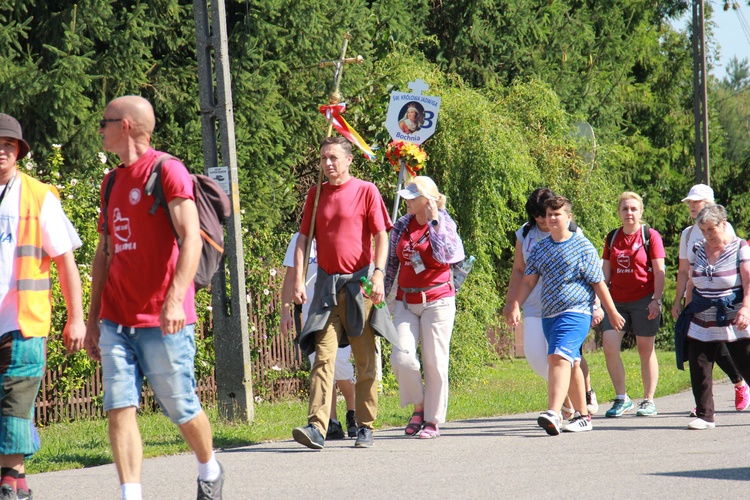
214,207
645,235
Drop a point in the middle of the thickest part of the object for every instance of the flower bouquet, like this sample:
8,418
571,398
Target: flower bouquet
412,155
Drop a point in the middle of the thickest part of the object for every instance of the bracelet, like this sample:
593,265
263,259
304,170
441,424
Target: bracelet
379,269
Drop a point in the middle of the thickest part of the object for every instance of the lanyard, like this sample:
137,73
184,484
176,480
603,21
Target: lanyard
424,237
5,189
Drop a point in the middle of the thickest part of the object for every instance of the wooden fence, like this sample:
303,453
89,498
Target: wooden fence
276,361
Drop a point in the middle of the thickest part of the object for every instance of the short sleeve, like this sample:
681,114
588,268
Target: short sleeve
58,234
289,256
590,265
656,245
176,181
377,217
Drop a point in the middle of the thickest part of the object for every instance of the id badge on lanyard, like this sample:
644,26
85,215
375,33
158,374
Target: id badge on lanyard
416,259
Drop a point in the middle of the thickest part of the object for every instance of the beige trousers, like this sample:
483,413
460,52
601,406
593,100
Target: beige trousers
365,363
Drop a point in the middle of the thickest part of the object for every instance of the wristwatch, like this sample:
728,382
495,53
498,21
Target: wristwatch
658,301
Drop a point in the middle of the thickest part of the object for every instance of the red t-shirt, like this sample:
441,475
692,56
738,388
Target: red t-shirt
416,238
631,277
348,216
144,249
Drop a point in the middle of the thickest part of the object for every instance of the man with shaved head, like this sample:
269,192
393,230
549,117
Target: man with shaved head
142,314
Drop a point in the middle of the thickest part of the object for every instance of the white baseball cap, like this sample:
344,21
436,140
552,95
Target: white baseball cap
700,192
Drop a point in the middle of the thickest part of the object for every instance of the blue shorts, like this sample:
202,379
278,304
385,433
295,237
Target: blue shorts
167,362
21,369
566,333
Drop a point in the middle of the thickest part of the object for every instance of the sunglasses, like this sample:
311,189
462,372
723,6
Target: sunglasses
104,121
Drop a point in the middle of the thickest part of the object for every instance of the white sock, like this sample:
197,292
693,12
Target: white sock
209,471
624,397
131,491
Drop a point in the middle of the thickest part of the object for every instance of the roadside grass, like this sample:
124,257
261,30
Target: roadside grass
508,387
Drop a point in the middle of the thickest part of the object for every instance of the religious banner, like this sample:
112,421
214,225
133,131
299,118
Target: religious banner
412,117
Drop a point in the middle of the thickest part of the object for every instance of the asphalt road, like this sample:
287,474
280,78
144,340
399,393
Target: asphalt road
502,457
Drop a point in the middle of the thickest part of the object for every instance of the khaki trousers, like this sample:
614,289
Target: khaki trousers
365,363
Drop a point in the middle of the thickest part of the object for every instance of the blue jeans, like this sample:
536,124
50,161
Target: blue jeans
167,362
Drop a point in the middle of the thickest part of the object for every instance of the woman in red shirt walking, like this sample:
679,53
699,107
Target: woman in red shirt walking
633,265
423,244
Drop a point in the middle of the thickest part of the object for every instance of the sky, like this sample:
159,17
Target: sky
728,33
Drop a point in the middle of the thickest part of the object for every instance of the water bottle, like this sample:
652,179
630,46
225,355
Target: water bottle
366,284
468,264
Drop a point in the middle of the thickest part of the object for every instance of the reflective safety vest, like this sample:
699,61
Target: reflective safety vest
34,285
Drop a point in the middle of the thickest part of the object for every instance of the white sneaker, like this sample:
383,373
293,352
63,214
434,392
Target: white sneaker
592,405
700,425
550,422
578,423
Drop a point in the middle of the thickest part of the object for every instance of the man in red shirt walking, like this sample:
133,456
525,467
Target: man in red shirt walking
350,214
142,314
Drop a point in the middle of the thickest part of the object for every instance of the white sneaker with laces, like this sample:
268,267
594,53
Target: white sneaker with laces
550,422
700,425
578,423
592,404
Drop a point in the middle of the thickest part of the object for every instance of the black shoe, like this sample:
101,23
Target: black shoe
351,424
310,436
24,494
211,490
335,431
364,438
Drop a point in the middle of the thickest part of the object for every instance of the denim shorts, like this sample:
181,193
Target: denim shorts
167,362
566,333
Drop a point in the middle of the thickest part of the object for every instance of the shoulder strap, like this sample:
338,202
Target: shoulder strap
646,236
155,188
611,237
687,239
107,192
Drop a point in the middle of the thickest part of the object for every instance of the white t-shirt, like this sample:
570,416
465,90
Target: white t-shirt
692,235
312,271
58,237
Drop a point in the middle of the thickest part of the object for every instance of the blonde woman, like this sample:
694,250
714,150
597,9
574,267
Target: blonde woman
423,244
633,265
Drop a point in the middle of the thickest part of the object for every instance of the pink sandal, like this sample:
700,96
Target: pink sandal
429,431
415,423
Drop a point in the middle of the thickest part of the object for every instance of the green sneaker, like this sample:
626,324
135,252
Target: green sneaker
619,407
647,408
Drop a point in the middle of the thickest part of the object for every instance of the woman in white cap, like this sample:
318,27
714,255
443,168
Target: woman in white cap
699,196
423,244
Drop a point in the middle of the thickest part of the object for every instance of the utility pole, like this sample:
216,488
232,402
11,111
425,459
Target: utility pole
700,98
231,340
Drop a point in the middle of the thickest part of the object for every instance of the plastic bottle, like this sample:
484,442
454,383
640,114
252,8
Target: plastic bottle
468,264
367,288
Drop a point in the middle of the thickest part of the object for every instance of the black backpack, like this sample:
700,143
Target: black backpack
214,207
645,235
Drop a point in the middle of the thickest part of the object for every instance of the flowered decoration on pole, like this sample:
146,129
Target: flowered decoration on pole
413,156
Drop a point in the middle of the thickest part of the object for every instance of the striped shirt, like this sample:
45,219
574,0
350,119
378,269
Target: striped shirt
714,281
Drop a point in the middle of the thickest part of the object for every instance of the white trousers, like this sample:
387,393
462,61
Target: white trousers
535,345
432,325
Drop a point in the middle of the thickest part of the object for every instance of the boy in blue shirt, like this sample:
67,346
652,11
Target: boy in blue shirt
572,280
